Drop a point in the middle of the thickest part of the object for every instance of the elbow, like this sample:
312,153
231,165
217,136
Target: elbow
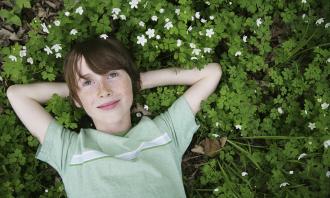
12,91
216,70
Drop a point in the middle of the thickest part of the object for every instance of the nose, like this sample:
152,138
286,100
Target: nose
104,90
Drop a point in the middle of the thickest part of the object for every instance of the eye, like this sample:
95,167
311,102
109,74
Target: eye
113,74
87,82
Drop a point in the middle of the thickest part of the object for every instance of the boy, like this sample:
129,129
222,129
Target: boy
115,159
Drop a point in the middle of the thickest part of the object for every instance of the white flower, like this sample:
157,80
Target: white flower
141,40
244,174
302,155
178,43
203,20
327,25
284,184
211,17
291,172
324,105
157,37
22,53
44,28
327,174
154,18
217,124
138,114
115,17
29,60
193,58
328,60
319,21
58,55
209,32
146,107
79,10
319,100
196,52
73,32
280,110
46,190
168,25
141,23
150,33
161,10
56,47
306,112
207,50
57,22
12,58
192,45
1,79
311,125
244,38
104,36
48,50
215,135
190,28
67,13
303,1
134,3
122,17
197,15
326,144
238,126
303,16
177,11
207,3
259,22
238,53
216,190
230,3
115,11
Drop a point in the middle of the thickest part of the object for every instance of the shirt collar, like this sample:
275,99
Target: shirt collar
93,144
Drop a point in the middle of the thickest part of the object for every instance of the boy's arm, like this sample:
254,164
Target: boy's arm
203,81
26,101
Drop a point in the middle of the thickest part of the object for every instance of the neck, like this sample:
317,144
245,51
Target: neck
116,128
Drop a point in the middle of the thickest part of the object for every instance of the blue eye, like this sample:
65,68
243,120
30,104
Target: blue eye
113,74
87,82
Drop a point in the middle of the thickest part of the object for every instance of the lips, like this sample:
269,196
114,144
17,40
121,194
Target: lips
108,104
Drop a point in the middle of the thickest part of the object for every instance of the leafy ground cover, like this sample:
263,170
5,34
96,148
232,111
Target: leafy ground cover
264,132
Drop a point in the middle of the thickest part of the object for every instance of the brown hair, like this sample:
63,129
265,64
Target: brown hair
101,55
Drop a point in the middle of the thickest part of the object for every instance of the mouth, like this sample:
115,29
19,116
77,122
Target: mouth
109,105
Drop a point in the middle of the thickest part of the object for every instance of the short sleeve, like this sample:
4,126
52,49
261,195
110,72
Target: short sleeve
179,121
57,145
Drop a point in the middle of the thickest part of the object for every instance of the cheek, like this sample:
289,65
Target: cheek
128,92
85,98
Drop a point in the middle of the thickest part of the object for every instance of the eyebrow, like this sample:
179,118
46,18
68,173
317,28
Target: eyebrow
83,76
86,76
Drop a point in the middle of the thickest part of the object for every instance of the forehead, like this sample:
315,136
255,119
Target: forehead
82,67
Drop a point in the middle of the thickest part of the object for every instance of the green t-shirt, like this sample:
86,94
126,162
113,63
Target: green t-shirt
143,163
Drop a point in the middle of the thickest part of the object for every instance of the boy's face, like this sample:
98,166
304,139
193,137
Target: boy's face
96,90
